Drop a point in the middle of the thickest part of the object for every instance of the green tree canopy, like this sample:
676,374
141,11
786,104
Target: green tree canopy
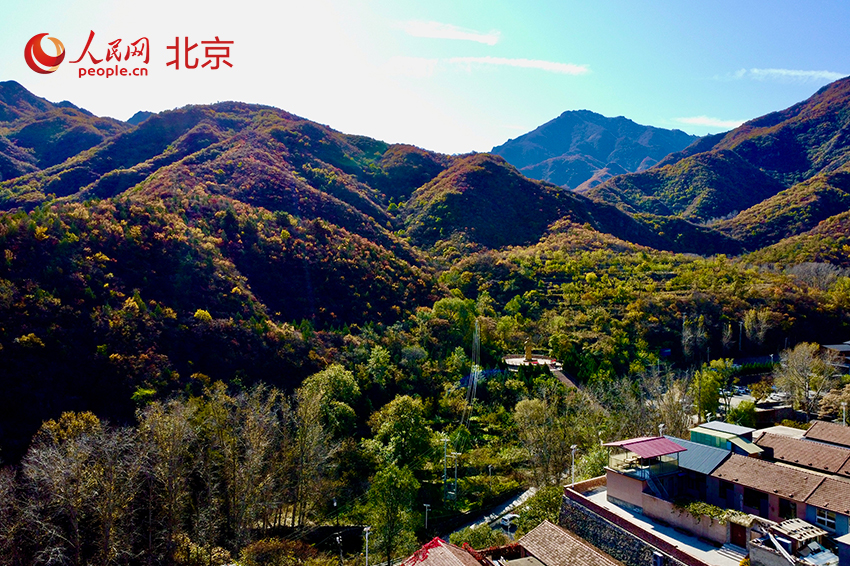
401,426
339,392
391,498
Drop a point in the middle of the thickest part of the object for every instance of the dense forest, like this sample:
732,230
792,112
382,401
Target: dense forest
226,327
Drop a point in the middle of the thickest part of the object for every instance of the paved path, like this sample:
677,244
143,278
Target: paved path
506,507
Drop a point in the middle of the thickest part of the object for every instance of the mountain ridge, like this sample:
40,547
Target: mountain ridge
572,148
777,155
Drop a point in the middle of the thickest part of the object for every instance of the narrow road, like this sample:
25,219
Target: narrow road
506,507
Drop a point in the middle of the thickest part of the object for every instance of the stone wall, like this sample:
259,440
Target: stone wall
615,535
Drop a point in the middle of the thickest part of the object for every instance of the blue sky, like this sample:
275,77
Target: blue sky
450,76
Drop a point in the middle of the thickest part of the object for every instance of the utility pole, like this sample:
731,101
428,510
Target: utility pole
455,455
427,506
844,408
740,333
699,397
445,469
366,530
573,464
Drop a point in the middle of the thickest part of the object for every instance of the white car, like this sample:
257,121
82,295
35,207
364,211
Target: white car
508,520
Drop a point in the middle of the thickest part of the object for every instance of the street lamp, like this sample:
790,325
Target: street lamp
445,469
427,506
455,456
366,530
573,464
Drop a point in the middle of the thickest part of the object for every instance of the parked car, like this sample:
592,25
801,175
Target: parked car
507,521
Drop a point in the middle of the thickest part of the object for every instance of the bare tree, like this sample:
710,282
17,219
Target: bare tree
12,522
806,374
243,431
757,323
312,453
253,482
168,439
818,275
728,338
535,428
113,475
674,404
60,490
830,405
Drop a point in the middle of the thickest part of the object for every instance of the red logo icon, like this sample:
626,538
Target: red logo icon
38,60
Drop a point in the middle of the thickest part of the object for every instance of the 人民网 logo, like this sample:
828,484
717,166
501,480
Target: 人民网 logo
38,60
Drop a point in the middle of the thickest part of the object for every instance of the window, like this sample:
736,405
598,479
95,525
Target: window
787,509
753,498
726,488
826,519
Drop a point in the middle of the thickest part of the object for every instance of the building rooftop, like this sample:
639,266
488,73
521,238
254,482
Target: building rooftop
554,546
826,458
702,550
780,430
441,553
711,432
830,433
727,428
799,530
648,446
832,494
746,446
699,457
764,476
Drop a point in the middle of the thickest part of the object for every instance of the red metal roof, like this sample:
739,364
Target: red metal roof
649,446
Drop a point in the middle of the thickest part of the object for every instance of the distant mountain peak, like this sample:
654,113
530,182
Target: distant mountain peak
571,149
139,117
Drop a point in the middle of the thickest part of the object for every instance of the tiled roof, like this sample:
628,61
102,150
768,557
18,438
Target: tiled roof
829,432
832,494
699,457
441,553
830,459
555,546
764,476
648,446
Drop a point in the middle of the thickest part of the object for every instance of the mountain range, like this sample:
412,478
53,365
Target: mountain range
225,239
580,148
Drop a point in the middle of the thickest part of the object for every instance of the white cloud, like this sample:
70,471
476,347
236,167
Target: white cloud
549,66
794,75
436,30
783,75
415,67
710,122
